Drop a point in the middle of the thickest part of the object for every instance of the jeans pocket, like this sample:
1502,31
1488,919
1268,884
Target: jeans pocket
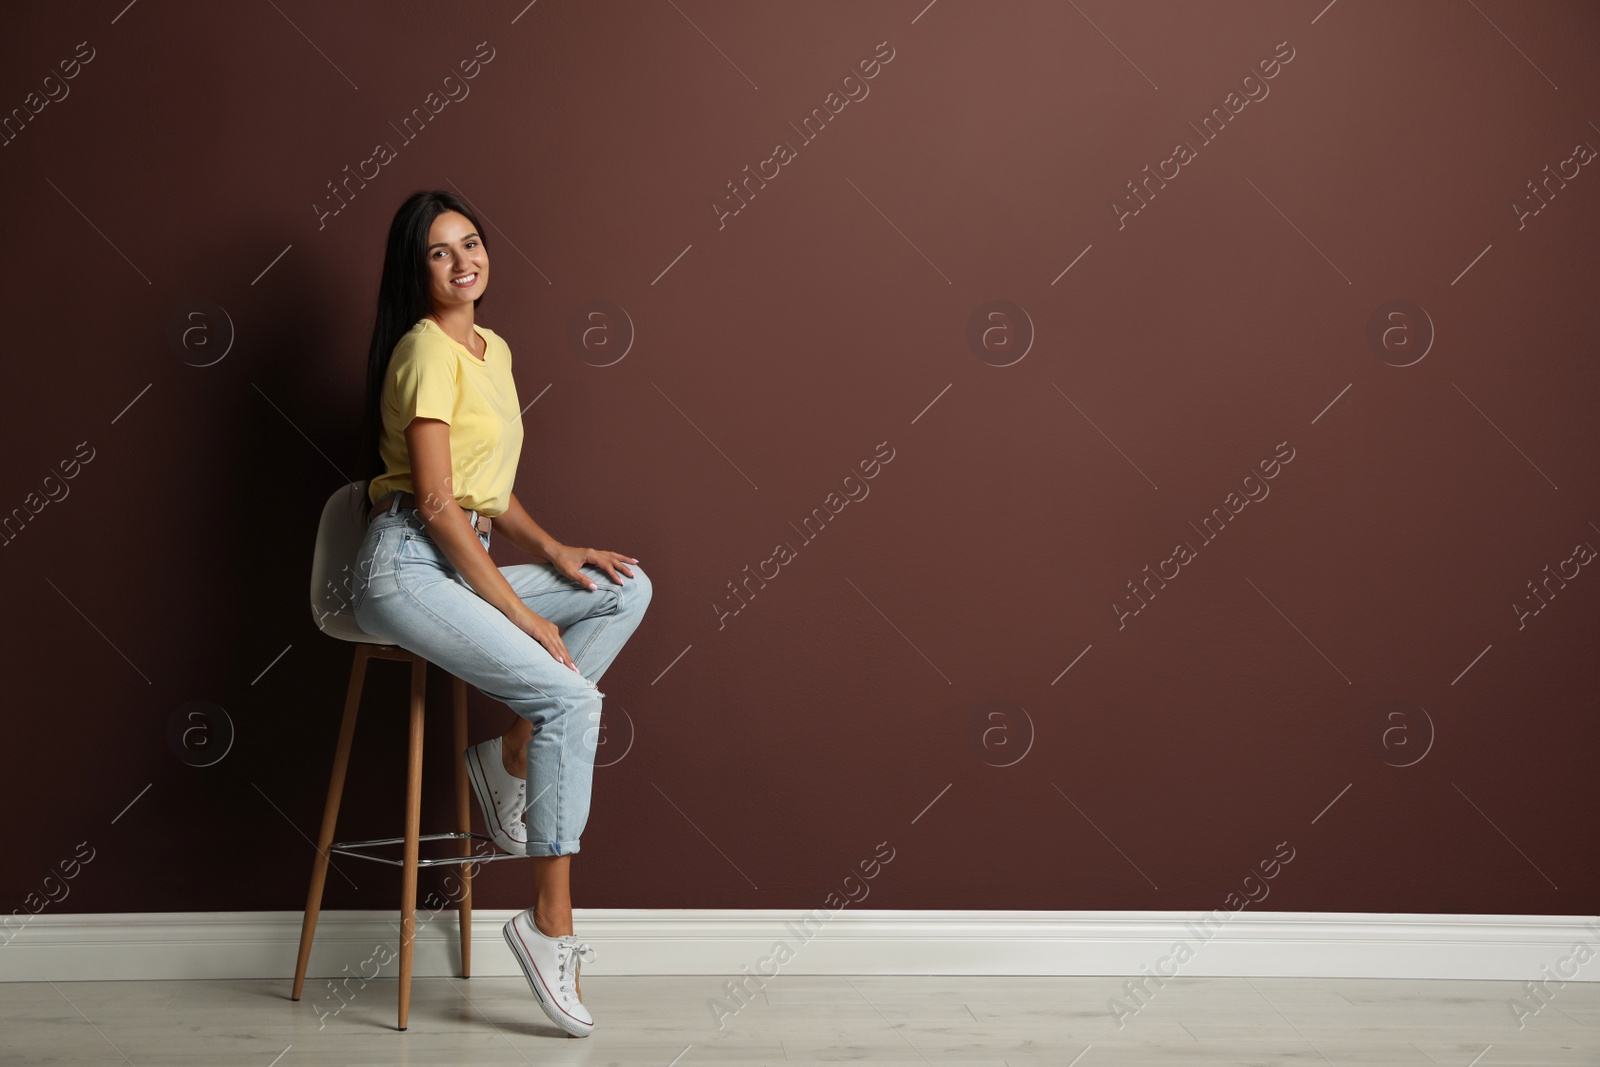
417,545
374,561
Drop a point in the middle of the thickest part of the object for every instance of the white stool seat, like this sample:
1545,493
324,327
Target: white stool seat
343,625
333,565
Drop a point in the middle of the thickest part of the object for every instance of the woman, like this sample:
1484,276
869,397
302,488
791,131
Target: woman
443,436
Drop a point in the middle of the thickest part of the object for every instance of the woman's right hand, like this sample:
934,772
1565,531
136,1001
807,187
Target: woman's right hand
543,631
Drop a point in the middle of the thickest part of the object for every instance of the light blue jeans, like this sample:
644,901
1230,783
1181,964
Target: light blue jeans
407,590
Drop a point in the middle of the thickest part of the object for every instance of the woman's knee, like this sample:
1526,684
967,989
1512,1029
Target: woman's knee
636,591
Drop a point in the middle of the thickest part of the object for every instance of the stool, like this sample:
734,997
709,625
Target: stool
340,532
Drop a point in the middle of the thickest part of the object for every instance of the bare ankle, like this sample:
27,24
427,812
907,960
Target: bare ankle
551,929
514,760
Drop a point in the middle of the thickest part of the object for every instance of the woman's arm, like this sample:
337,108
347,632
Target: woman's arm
520,529
429,443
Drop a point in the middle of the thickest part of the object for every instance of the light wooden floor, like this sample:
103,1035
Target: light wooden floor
802,1019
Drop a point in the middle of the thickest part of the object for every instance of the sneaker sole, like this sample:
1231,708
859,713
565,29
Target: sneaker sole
551,1010
480,789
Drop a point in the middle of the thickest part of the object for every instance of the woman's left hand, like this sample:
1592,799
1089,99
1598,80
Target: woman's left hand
569,561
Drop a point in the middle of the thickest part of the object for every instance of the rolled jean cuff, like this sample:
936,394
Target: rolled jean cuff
552,848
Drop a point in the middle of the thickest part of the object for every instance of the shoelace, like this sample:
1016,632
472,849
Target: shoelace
574,952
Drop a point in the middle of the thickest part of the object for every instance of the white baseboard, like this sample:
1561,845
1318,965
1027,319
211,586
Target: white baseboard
656,941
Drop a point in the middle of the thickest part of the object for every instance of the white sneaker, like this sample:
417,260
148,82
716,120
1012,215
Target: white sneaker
501,795
551,964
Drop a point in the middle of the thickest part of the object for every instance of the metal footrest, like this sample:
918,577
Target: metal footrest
356,849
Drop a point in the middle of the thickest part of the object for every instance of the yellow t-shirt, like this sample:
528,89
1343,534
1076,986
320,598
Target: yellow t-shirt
433,376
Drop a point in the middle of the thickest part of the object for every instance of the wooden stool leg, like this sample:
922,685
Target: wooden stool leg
463,822
408,888
330,816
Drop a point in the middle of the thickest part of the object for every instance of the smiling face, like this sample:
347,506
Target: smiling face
458,265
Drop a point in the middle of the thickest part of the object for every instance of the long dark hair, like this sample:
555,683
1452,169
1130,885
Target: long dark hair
404,296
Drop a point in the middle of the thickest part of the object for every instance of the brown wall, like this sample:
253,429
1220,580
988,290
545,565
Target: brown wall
1341,676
